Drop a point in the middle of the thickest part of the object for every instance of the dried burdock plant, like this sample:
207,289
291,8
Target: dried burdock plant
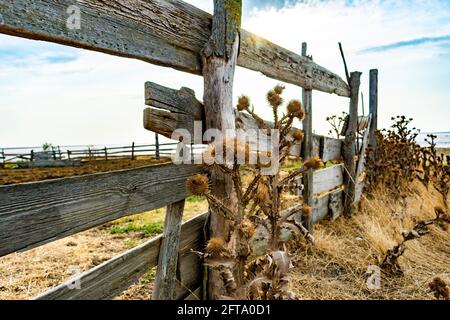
398,160
260,199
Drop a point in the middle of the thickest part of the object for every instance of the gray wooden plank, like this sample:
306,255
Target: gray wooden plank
328,205
32,214
307,146
373,105
165,123
115,275
348,149
330,149
362,154
169,33
328,178
166,274
178,101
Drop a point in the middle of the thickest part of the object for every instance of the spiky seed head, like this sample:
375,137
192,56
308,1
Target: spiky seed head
243,103
306,211
295,109
215,246
262,193
298,135
274,99
313,163
279,89
247,228
198,184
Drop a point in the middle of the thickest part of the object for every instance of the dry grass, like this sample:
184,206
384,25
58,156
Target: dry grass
336,268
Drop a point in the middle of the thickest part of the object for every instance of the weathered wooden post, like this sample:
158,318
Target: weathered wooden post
106,154
166,275
219,58
68,154
32,155
307,148
90,154
373,106
132,151
157,146
348,151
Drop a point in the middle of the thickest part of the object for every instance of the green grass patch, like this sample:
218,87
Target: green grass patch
148,229
193,199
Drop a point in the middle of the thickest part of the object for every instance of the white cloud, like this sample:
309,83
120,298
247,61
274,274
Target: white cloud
98,99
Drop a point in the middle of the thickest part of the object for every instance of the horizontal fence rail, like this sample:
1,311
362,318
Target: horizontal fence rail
112,277
32,214
169,33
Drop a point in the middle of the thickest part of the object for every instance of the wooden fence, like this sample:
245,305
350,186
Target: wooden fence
133,151
173,34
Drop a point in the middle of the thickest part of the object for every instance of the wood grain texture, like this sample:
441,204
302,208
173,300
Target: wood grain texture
32,214
166,274
115,275
165,123
373,105
330,149
168,33
328,205
328,178
179,101
348,149
219,57
362,155
307,146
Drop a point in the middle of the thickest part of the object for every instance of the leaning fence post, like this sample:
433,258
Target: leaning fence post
166,274
219,57
307,148
348,151
157,146
373,106
132,151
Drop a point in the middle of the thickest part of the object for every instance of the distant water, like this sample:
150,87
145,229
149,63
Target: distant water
442,140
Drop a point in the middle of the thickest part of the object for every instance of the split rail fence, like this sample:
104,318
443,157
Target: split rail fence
168,33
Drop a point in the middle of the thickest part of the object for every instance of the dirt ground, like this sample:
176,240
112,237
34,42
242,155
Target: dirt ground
11,176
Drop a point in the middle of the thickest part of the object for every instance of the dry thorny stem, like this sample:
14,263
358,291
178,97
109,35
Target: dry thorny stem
260,203
390,262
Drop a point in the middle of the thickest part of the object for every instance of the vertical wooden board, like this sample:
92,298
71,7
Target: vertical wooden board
320,208
330,149
373,105
315,146
348,149
336,204
166,274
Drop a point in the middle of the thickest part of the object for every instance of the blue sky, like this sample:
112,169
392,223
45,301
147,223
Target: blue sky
65,95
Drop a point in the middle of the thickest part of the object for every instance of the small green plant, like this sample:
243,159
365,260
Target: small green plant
148,229
46,146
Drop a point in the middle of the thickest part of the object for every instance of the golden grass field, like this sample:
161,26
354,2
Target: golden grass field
335,268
